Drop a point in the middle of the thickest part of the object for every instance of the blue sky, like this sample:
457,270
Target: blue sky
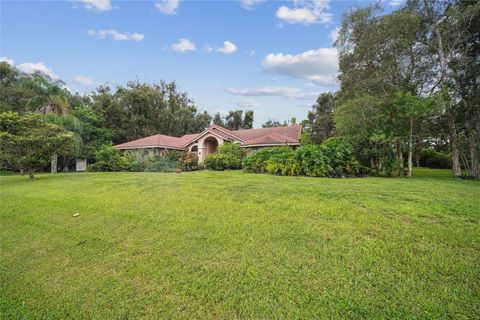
270,56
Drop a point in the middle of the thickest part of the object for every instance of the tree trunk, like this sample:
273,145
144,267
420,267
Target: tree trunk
418,148
22,172
54,163
473,144
410,149
30,173
454,145
399,158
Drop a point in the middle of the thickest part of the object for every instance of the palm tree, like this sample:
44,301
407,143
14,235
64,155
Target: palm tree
50,98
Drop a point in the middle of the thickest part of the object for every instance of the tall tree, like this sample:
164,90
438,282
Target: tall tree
248,120
320,119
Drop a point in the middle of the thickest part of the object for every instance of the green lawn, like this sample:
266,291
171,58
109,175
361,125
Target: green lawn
235,245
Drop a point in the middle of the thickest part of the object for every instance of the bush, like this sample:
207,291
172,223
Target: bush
330,159
435,159
283,162
188,161
161,164
313,162
220,162
108,158
341,158
229,156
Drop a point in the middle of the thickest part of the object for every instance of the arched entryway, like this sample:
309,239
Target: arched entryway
210,145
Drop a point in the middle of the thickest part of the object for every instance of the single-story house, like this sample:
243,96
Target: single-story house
207,142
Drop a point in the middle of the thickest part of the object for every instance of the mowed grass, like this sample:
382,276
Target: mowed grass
229,245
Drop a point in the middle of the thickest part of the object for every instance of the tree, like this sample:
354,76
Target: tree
233,120
49,96
248,120
27,142
217,120
142,109
320,119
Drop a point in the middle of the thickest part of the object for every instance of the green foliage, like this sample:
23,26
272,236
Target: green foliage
27,142
229,156
330,159
435,159
108,158
341,158
188,161
142,109
161,164
257,162
283,162
319,123
313,162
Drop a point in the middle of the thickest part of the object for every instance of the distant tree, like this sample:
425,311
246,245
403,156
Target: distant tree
218,120
27,142
248,120
275,123
142,109
49,96
233,120
320,119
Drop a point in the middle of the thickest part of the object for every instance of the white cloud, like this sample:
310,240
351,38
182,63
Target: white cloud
117,36
269,91
97,5
29,67
83,81
319,66
395,3
168,7
246,103
249,4
183,45
306,12
228,48
7,60
334,34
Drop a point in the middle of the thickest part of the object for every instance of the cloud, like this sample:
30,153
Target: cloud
228,48
306,12
249,4
270,91
319,66
246,103
97,5
29,67
395,3
334,34
168,7
7,60
183,45
117,36
83,81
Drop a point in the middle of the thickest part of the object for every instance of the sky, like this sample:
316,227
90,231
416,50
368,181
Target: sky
273,57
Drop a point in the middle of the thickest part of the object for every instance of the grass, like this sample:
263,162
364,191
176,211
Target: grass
234,245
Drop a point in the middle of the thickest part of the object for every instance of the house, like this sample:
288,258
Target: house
207,142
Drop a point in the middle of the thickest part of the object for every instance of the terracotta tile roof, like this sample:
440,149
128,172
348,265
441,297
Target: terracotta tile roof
158,140
277,135
251,137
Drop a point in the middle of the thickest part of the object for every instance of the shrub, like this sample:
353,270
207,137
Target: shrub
220,162
435,159
313,162
161,164
108,158
229,156
283,162
341,158
257,162
188,161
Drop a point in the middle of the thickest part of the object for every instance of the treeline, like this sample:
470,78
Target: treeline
109,115
409,80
